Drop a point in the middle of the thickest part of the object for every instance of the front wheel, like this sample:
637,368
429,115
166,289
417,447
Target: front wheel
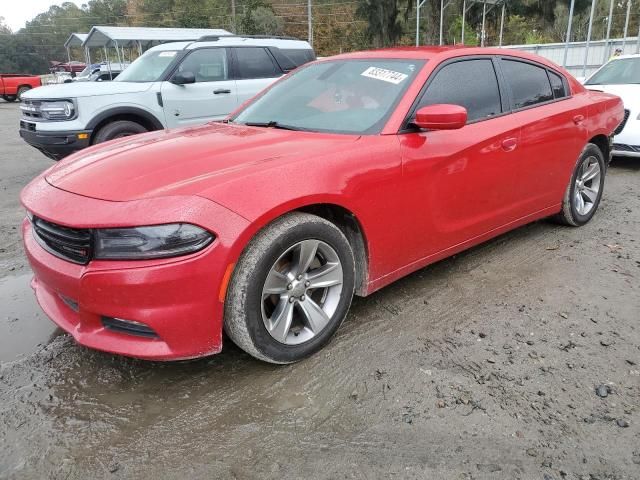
585,188
291,289
118,129
10,98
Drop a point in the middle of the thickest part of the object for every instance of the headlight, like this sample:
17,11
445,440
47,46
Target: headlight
159,241
58,110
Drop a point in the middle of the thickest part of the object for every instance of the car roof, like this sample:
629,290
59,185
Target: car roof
233,41
443,52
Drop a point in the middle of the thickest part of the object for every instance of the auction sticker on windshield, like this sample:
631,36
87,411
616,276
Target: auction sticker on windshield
167,54
384,75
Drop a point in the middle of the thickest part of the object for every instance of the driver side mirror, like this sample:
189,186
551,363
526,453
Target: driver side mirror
183,78
441,117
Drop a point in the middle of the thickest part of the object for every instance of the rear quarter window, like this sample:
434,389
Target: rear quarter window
557,85
299,56
529,83
255,62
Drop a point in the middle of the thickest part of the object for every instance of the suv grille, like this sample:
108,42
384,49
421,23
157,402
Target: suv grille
618,130
68,243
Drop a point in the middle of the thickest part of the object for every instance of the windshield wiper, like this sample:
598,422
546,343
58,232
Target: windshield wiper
272,124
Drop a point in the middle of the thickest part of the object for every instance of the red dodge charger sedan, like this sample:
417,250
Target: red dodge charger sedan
339,179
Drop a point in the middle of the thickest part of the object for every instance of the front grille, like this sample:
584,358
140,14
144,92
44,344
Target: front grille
621,147
68,243
618,130
31,108
28,126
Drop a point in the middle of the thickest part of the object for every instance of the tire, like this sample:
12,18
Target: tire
118,129
272,253
10,98
585,188
22,90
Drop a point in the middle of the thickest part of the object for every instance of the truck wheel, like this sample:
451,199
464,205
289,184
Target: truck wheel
10,98
22,90
118,129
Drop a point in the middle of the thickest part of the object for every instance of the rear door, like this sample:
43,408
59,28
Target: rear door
213,95
254,69
462,183
553,131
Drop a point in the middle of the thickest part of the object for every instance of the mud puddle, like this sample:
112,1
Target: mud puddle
23,327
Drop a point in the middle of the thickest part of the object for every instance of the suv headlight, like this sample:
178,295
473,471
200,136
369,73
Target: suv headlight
139,243
57,110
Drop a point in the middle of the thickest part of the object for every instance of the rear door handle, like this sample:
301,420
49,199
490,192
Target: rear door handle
221,90
578,119
509,144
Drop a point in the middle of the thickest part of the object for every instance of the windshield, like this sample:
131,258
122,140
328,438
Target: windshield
86,71
149,67
617,72
340,96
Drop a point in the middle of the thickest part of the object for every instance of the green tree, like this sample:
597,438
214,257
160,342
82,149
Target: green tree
386,20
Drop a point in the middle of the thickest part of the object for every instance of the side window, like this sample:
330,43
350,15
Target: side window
255,62
471,84
299,56
207,64
557,85
529,83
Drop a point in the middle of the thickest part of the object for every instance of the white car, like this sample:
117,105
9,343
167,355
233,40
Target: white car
621,76
170,85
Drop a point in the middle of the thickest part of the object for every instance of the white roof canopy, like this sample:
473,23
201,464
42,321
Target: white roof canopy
131,36
75,40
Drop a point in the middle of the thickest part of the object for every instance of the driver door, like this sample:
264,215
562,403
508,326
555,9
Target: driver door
463,183
213,95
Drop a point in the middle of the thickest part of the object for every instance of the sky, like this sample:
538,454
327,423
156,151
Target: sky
16,13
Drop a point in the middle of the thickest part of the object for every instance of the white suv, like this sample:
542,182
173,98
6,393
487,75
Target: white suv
171,85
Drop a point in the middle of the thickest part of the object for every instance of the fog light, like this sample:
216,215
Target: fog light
128,327
72,304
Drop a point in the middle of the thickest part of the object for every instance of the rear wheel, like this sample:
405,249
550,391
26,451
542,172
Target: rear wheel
291,289
584,191
22,90
118,129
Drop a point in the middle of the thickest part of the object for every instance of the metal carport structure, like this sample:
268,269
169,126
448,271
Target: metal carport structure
75,40
141,38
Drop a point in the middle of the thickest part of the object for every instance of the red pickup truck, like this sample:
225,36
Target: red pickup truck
12,86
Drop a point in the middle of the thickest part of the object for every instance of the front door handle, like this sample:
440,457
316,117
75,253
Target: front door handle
221,90
509,144
578,119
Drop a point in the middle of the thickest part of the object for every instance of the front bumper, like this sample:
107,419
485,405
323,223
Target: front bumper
178,298
623,150
55,145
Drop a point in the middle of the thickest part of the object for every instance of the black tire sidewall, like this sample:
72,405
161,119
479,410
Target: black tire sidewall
111,130
259,334
590,151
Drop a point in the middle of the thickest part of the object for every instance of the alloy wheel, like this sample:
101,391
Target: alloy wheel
301,292
587,186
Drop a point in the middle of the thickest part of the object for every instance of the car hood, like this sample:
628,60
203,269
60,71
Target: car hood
84,89
630,93
183,161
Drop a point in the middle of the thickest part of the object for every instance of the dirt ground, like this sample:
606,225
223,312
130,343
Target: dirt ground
483,366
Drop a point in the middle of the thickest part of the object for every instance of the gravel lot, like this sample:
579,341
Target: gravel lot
486,365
